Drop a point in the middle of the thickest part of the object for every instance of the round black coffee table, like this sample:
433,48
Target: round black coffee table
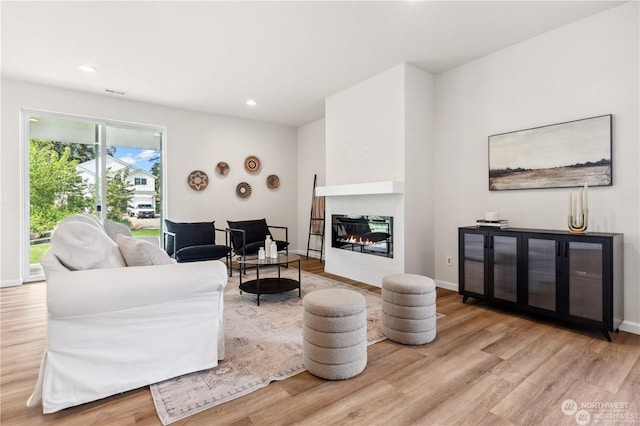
269,285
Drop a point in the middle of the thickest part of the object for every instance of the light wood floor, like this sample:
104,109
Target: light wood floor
486,366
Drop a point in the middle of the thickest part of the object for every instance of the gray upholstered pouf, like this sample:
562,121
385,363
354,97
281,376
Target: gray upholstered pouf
409,308
335,333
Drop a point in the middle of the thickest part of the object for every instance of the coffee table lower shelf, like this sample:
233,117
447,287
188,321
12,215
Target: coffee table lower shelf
270,286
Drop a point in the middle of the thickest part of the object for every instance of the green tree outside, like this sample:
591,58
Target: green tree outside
155,171
56,188
119,193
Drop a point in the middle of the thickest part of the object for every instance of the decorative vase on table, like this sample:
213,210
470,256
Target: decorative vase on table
578,211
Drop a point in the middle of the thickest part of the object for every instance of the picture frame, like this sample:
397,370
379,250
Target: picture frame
561,155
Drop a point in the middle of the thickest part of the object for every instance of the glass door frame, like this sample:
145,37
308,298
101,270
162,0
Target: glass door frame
101,187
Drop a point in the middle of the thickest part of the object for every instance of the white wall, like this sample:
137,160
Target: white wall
367,115
366,120
582,70
311,161
387,123
194,141
419,177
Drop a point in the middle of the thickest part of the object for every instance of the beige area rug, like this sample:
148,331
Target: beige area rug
263,344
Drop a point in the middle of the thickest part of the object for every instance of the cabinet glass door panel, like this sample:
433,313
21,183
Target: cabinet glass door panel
541,257
585,280
505,268
474,263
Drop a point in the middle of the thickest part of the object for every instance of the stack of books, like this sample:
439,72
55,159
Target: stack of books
500,224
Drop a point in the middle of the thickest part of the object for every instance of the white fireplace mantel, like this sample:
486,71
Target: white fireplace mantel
368,188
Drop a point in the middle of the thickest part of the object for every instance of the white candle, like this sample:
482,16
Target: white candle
579,209
586,206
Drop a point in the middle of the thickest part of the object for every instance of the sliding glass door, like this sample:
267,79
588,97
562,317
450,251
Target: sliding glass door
79,165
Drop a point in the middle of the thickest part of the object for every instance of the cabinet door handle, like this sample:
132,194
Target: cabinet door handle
566,249
558,248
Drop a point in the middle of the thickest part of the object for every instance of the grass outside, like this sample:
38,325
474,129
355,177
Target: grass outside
36,251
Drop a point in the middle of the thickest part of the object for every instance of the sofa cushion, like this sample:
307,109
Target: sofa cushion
138,252
189,234
50,263
202,252
80,245
113,229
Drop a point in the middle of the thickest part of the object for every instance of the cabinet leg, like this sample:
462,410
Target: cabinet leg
464,299
606,334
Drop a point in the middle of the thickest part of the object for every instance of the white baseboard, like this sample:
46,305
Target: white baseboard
447,285
10,283
630,327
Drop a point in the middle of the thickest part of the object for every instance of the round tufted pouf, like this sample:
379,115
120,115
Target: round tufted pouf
334,343
409,308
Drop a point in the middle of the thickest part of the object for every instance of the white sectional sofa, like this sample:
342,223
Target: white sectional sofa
112,327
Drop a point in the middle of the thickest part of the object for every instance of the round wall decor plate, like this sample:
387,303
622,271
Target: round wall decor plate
252,164
222,168
243,190
198,180
273,181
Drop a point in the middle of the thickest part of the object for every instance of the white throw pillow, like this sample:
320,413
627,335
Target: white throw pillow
82,217
138,252
113,229
80,245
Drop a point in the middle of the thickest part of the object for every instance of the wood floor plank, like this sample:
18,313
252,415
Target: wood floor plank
353,408
486,367
529,358
478,397
610,364
578,391
542,387
629,392
326,393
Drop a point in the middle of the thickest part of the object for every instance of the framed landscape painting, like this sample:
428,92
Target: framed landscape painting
556,156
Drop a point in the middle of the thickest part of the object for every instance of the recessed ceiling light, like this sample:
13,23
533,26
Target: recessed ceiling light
251,102
86,68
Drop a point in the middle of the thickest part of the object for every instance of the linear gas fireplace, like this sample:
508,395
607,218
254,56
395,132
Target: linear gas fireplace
364,234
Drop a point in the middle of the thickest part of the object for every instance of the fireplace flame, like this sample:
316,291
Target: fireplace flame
354,239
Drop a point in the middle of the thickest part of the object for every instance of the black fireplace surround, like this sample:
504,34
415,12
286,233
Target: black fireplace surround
367,234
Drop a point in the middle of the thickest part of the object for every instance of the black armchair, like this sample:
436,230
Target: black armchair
247,236
195,242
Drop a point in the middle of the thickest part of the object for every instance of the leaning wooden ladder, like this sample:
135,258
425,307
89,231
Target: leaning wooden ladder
316,222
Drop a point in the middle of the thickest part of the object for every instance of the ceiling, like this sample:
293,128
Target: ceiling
289,56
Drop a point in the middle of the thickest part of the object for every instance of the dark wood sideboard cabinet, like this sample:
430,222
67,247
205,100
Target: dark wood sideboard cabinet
577,278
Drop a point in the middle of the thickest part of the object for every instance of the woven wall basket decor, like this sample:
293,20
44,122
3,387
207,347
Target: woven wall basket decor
252,164
243,190
198,180
222,168
273,181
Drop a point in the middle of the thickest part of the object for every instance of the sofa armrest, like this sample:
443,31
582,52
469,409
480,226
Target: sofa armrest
87,292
